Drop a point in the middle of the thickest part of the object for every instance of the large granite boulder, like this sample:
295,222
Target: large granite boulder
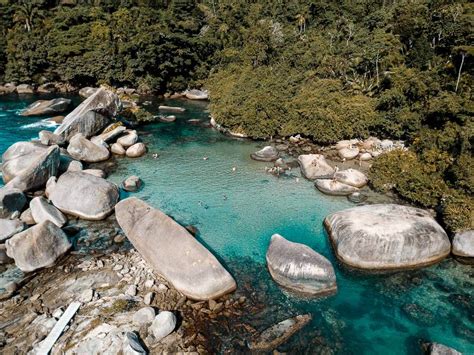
40,169
195,94
334,188
49,138
42,210
351,177
314,166
279,333
267,153
47,107
137,150
25,89
109,134
18,157
173,252
38,246
83,195
10,227
81,148
463,244
12,201
91,116
87,91
299,268
387,236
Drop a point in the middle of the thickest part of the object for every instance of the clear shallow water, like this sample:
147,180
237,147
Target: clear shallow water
236,212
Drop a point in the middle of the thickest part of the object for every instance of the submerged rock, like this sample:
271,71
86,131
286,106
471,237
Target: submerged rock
39,170
267,153
314,166
279,333
12,201
463,244
195,94
171,108
163,325
84,195
81,148
132,183
299,268
38,246
440,349
42,211
47,107
172,251
387,236
91,116
335,188
10,227
351,177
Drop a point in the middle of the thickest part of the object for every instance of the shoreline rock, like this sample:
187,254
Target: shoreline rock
267,153
173,252
386,237
314,166
47,107
334,188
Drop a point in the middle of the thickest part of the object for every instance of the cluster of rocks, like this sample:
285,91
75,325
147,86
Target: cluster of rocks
367,149
46,88
193,94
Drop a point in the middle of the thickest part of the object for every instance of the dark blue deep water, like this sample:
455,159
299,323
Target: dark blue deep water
236,212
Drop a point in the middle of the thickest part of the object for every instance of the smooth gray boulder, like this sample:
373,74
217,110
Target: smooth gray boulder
49,138
163,325
387,236
334,188
299,268
87,91
172,251
117,149
12,201
47,107
10,227
83,195
463,244
18,157
25,89
144,315
314,166
38,172
267,153
351,177
279,333
195,94
109,134
96,172
348,153
91,116
42,210
128,139
81,148
440,349
37,247
136,150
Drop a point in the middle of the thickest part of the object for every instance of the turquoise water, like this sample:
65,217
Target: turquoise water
236,212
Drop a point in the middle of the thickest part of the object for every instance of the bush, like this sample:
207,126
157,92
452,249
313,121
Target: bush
457,211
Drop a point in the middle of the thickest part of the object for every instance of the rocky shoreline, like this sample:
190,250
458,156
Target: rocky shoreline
120,293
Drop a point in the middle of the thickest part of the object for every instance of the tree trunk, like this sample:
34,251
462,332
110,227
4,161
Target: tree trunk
460,69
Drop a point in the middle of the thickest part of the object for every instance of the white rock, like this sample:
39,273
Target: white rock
136,150
116,148
42,211
163,325
144,316
128,140
348,153
131,290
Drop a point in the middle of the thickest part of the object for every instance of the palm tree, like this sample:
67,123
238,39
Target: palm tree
27,12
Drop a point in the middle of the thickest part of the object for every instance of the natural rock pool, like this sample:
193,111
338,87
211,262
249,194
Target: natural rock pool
236,207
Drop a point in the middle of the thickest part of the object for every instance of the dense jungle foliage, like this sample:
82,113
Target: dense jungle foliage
327,69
